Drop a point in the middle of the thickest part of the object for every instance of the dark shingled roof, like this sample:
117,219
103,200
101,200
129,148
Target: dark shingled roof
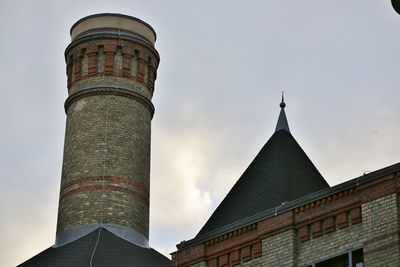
365,178
280,172
111,250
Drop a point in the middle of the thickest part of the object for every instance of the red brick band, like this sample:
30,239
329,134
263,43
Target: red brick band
142,195
381,237
382,248
108,188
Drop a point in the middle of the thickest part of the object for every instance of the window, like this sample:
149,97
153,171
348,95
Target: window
351,259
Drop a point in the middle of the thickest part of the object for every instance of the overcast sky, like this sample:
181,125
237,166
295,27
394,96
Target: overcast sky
223,67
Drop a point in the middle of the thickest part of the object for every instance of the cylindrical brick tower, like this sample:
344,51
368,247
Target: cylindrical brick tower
111,68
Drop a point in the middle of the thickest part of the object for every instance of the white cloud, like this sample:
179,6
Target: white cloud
180,205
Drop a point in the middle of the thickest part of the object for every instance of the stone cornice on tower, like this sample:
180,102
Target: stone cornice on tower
112,53
113,21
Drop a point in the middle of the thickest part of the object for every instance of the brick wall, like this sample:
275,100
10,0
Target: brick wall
280,249
106,136
253,263
362,216
200,264
106,165
328,245
381,231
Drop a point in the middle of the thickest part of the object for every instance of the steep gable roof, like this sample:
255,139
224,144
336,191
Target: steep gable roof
280,172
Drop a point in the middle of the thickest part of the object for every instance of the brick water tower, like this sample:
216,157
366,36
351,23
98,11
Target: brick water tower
103,215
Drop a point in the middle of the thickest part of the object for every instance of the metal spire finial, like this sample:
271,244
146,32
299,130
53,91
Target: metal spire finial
282,104
282,121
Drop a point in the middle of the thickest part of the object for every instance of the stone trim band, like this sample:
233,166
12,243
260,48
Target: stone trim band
109,91
114,179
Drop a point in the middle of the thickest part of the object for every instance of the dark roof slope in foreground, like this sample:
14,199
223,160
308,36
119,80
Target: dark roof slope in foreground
280,172
111,250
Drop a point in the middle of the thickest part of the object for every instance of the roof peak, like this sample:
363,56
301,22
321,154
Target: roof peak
282,104
280,172
282,121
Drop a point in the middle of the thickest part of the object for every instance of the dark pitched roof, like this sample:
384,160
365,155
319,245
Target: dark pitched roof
280,172
390,170
111,250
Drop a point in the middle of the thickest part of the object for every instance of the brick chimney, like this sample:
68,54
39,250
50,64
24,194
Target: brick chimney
111,68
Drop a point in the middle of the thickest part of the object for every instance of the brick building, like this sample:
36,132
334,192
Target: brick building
281,211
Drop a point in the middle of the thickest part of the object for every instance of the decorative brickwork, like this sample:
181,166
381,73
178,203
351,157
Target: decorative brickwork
190,256
381,231
121,57
106,183
329,245
106,166
235,248
329,224
238,257
362,216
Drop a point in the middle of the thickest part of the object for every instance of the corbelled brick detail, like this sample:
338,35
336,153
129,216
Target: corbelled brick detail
355,215
341,220
363,216
213,263
331,204
316,229
246,254
120,57
328,225
190,256
304,233
235,257
239,257
106,165
223,261
275,223
257,249
329,245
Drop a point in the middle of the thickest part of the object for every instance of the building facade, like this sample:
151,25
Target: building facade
355,223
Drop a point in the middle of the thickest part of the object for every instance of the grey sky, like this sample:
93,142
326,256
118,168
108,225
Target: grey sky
223,67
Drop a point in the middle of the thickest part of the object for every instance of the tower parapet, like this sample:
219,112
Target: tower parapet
111,69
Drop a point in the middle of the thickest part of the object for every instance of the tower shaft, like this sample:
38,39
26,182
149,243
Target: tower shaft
111,69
